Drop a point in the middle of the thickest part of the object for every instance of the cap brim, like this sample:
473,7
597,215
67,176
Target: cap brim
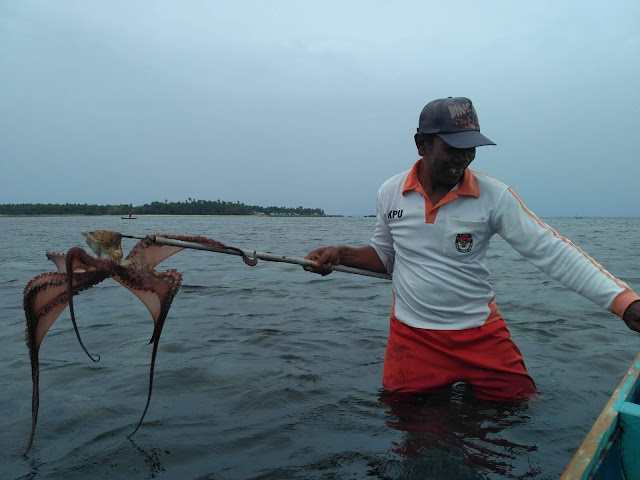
469,139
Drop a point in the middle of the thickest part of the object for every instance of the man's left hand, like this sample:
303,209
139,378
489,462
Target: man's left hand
631,316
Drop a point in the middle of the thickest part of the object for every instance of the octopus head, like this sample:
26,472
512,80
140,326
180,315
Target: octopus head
105,243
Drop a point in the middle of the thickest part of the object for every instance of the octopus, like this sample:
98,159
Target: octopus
48,294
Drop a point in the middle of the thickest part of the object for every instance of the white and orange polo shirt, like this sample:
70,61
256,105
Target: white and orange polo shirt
437,253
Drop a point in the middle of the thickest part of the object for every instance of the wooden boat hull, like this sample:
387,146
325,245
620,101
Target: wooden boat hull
611,450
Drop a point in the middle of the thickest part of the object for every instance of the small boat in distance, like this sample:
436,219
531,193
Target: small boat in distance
611,450
130,217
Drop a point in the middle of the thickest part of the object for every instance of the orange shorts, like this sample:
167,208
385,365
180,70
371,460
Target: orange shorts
424,361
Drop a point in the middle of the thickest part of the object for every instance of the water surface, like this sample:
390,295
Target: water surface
271,372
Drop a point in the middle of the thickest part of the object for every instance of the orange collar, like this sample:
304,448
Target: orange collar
467,186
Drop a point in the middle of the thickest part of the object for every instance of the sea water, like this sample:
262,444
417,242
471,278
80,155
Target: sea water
271,372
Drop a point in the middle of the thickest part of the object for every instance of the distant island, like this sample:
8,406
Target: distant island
188,207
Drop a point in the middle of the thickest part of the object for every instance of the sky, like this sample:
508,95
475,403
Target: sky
313,103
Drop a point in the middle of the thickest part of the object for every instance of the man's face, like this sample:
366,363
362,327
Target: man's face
447,164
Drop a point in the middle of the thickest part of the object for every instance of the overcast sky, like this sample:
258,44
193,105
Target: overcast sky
313,103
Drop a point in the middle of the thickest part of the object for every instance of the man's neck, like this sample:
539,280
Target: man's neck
432,188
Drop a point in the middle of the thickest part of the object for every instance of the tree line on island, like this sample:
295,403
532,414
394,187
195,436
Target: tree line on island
188,207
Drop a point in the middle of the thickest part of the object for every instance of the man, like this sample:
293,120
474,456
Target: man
433,227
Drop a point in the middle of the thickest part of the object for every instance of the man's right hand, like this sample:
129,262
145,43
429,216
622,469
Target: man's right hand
325,259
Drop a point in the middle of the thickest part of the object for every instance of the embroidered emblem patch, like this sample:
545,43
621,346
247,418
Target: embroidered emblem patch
464,242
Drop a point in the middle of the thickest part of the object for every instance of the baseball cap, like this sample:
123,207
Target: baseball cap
454,120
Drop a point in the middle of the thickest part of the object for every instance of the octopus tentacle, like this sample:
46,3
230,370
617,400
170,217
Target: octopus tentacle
252,262
149,241
45,297
173,279
78,258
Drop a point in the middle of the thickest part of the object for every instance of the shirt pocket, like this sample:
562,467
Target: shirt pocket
464,240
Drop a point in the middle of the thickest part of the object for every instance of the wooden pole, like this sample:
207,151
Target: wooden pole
269,257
